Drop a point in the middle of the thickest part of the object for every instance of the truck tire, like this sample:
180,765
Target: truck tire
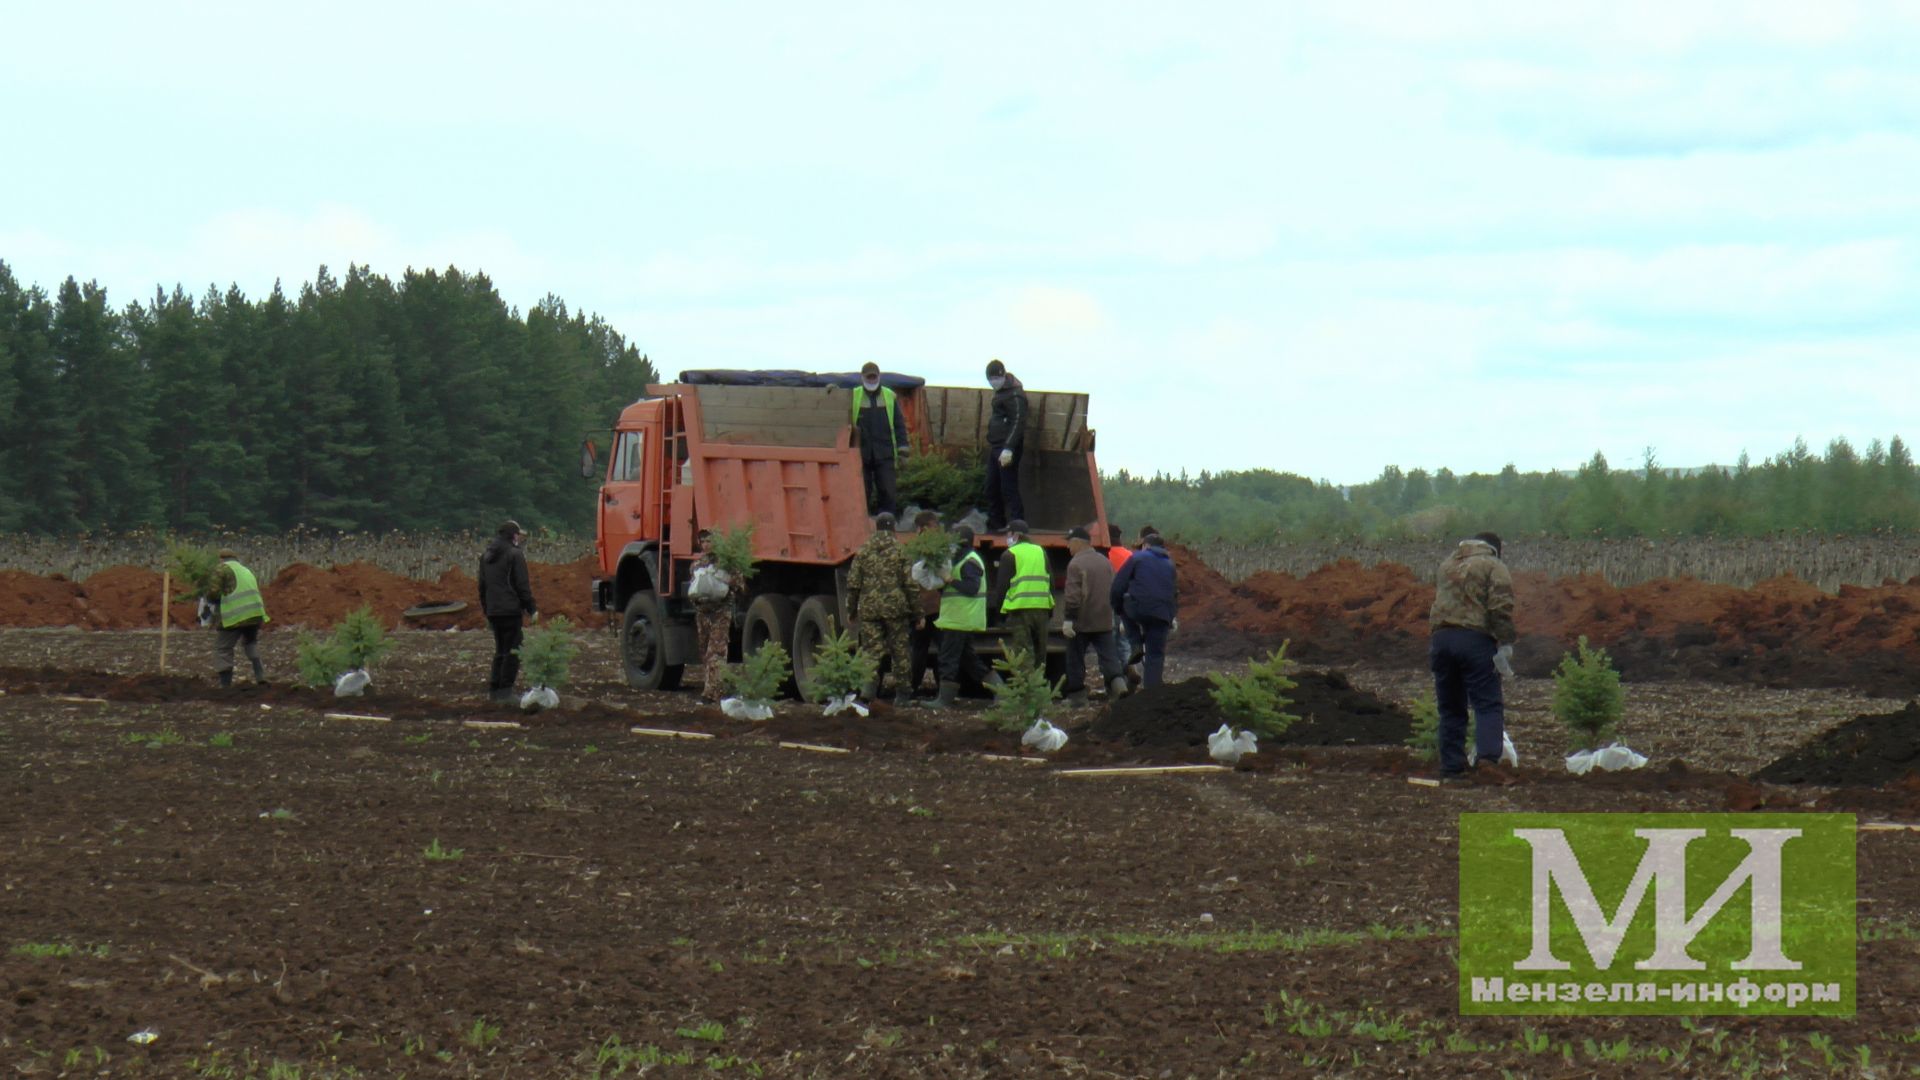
769,619
813,624
643,645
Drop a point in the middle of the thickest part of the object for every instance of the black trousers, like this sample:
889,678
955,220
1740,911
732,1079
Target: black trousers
506,660
883,494
1003,491
958,662
1104,648
1464,678
922,648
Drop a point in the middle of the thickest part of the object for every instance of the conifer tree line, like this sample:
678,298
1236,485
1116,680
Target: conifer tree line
361,404
1843,491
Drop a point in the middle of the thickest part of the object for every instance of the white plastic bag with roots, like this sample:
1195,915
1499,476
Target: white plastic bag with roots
709,584
1610,758
842,704
925,576
538,698
1227,748
351,683
742,709
1044,737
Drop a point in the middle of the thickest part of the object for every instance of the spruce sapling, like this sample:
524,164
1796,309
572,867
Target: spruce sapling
838,669
547,654
760,677
1587,698
1258,699
1024,694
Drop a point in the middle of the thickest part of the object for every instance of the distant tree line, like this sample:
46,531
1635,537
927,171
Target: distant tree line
363,403
1842,491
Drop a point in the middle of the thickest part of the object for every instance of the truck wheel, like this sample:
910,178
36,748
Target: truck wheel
769,618
814,624
643,645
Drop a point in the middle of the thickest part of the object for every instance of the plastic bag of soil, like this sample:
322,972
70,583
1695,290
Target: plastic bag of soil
842,704
351,683
1610,758
540,697
709,585
742,709
1044,737
925,576
1508,755
1227,748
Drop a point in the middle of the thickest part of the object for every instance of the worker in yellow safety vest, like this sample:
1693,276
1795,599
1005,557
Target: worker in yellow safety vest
882,429
235,605
963,617
1026,594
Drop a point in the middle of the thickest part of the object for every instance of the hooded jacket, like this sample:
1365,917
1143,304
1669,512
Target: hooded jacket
1474,592
1146,588
504,588
1008,423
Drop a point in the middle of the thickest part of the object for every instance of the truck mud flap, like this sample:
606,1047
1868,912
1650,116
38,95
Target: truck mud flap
679,644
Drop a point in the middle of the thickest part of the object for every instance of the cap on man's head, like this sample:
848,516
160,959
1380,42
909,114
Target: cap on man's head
964,533
1490,538
511,528
1017,526
995,367
1079,532
926,519
1154,540
869,368
1113,535
228,553
885,523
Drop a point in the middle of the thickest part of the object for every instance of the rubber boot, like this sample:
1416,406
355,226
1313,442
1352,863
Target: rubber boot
994,681
949,692
226,679
1076,700
903,698
259,672
1116,688
870,691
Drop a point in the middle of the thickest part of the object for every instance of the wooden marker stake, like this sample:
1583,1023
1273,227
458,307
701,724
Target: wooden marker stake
166,614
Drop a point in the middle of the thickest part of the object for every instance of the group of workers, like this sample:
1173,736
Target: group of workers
1114,600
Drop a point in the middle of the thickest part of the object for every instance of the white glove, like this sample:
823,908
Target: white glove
903,452
1006,458
1174,628
1067,628
1503,661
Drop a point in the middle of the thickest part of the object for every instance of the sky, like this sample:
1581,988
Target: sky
1320,238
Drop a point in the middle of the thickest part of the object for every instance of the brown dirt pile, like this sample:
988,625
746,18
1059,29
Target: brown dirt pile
128,598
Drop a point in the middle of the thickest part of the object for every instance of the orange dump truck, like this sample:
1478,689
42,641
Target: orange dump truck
776,450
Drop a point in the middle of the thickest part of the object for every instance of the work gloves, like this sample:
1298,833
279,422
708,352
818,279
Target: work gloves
1067,628
1006,458
1503,661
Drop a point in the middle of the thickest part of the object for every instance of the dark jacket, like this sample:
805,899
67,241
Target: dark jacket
876,442
1145,587
1008,423
1089,592
504,588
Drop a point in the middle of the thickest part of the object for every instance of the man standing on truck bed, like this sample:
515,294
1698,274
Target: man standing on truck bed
505,595
882,428
884,601
1006,436
1026,595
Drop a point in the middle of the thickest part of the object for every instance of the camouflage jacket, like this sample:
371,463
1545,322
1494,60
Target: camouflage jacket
878,582
1475,592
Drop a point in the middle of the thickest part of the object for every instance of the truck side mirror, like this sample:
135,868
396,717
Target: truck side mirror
587,460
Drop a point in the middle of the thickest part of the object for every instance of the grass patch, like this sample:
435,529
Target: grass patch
153,739
58,950
1216,941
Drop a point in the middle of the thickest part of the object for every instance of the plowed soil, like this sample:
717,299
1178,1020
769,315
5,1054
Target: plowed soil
1780,633
269,892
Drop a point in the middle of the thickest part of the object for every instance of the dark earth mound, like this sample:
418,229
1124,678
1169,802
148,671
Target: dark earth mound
1866,751
1332,712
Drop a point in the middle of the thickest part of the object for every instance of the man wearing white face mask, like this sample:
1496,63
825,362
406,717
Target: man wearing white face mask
882,430
1006,430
